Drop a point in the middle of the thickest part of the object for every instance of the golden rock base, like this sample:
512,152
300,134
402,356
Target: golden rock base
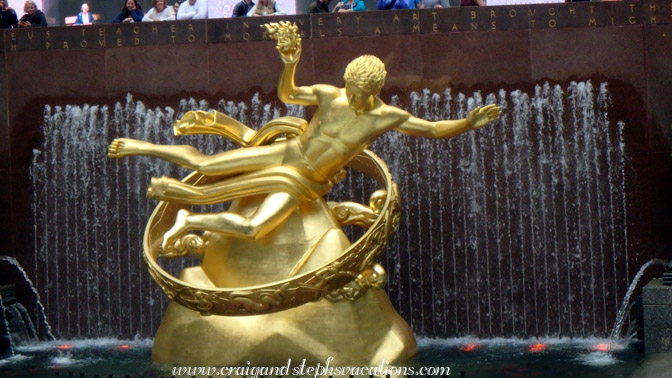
362,332
359,333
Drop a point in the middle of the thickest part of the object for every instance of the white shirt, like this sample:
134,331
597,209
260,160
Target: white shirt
278,10
168,14
198,11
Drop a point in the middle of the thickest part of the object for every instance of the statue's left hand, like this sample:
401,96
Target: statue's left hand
481,116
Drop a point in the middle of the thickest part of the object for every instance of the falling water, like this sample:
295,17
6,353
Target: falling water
8,334
625,305
21,309
516,229
90,212
21,330
534,205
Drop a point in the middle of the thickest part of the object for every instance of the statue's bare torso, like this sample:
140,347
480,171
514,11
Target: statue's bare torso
337,134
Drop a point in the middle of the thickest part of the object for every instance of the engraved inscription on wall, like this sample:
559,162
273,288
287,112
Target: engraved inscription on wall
422,21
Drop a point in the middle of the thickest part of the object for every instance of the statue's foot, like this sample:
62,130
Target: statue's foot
192,119
180,226
122,147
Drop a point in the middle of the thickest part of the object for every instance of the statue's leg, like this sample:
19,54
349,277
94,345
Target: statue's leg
242,160
182,155
224,163
274,209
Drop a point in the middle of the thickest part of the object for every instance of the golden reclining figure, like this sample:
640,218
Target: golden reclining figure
295,170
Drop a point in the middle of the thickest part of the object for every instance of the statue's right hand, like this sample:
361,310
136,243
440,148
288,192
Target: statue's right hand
289,40
289,55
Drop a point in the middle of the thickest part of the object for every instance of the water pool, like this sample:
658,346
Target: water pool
466,357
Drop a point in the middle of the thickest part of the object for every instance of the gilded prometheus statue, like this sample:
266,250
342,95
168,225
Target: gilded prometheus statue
271,179
349,120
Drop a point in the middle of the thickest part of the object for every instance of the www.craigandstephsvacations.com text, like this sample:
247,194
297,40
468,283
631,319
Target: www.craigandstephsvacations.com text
305,370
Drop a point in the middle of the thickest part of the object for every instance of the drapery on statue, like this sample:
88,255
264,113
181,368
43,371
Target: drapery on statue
279,228
347,121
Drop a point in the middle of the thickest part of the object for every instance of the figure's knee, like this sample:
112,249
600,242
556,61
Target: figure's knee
251,231
252,234
208,166
255,228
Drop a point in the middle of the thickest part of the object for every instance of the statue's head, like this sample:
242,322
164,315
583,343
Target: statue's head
366,72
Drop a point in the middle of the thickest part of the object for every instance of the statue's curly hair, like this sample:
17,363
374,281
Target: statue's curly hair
366,72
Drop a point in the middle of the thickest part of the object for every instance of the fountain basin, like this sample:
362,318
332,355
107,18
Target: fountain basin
466,357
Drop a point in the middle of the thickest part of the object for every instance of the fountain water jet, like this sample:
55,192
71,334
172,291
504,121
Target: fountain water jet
626,304
510,249
18,266
7,343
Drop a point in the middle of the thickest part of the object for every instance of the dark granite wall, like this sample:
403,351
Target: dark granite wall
628,45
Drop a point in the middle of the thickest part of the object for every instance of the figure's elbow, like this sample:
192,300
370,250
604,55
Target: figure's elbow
283,96
287,96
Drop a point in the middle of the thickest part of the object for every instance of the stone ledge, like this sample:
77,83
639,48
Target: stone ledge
654,293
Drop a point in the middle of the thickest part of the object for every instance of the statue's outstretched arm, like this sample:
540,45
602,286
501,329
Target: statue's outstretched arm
476,119
289,48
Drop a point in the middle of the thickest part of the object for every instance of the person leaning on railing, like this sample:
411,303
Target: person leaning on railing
193,10
350,6
241,9
8,17
472,3
159,12
319,6
33,17
428,4
131,12
392,4
266,8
